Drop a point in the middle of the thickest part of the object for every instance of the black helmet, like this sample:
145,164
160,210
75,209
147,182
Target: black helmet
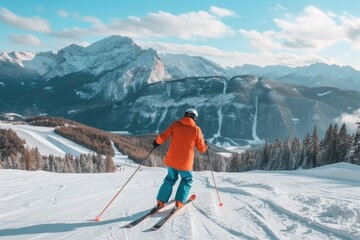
192,113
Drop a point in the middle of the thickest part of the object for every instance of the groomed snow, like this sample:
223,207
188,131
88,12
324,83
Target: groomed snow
319,204
46,140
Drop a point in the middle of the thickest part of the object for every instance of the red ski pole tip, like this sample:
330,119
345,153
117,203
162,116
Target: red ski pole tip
97,219
221,204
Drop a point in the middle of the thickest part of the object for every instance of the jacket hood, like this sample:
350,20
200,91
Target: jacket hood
187,121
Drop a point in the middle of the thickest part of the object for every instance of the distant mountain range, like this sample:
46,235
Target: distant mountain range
122,66
116,85
314,75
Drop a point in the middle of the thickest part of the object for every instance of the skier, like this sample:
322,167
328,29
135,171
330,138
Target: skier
185,135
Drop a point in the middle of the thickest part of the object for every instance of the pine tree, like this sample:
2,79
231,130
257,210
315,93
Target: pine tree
334,145
344,143
354,154
326,146
275,155
266,155
26,158
99,165
45,166
286,155
52,163
82,164
248,161
295,160
311,150
306,151
235,162
34,159
217,165
315,147
78,164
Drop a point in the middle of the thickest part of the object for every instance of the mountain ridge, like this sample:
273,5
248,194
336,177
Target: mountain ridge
237,110
76,82
105,55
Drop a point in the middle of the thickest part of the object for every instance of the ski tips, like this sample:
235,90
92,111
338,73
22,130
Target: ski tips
192,197
97,219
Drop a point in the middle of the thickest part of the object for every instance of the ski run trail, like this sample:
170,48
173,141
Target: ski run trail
321,203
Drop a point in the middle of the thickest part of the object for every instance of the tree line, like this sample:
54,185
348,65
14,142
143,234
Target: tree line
293,153
135,147
94,139
13,155
138,147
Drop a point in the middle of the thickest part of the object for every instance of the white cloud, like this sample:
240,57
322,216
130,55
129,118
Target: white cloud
313,29
26,40
35,23
234,58
262,41
190,26
352,28
356,46
90,19
206,51
349,120
162,24
221,12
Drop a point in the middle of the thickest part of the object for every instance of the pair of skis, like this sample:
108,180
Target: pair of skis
163,220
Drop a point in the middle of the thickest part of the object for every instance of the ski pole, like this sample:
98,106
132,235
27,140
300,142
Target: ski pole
216,189
98,217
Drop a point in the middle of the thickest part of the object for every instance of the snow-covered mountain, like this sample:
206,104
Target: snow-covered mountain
116,85
256,204
119,65
116,65
232,111
181,66
314,75
122,67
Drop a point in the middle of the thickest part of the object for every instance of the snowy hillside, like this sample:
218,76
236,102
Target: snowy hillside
234,111
182,66
46,140
322,203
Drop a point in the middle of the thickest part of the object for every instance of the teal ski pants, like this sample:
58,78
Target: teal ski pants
183,189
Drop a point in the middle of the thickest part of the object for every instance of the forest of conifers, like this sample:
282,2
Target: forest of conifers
293,153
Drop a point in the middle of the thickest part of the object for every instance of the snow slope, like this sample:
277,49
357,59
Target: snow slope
46,140
321,203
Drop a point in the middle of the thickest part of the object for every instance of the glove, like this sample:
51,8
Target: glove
207,144
155,144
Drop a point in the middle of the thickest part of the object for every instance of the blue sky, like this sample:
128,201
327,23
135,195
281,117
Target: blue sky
236,32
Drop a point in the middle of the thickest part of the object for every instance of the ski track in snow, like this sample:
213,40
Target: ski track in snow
42,205
315,204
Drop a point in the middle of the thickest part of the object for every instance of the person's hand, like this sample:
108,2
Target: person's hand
155,144
207,144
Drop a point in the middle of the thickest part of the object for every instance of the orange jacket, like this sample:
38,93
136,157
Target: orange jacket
185,135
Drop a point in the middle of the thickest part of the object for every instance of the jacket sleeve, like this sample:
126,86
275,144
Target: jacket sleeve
165,135
200,143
